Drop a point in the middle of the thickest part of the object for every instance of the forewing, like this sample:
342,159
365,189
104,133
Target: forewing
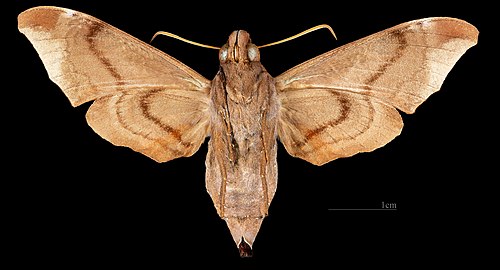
344,101
129,79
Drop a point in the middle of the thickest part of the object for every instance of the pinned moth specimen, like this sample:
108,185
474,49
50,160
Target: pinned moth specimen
338,104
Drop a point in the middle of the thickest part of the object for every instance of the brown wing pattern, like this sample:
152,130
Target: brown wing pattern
349,95
160,124
340,125
158,102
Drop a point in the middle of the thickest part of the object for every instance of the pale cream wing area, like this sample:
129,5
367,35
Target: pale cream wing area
145,99
344,101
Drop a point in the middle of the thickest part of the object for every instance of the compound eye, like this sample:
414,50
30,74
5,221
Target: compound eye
253,52
223,53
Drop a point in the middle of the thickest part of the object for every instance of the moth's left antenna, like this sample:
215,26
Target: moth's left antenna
168,34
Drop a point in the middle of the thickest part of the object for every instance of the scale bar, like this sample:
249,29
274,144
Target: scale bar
362,209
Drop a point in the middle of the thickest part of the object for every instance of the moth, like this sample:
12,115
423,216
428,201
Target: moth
338,104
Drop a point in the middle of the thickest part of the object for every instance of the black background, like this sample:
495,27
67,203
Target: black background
78,200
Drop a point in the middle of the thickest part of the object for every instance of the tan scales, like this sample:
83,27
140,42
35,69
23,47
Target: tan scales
338,104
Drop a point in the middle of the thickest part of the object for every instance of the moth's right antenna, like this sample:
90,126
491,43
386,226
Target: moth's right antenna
317,27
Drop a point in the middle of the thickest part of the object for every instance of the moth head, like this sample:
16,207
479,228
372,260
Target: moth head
239,48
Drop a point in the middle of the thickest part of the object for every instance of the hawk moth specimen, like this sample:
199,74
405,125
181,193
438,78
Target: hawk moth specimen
335,105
